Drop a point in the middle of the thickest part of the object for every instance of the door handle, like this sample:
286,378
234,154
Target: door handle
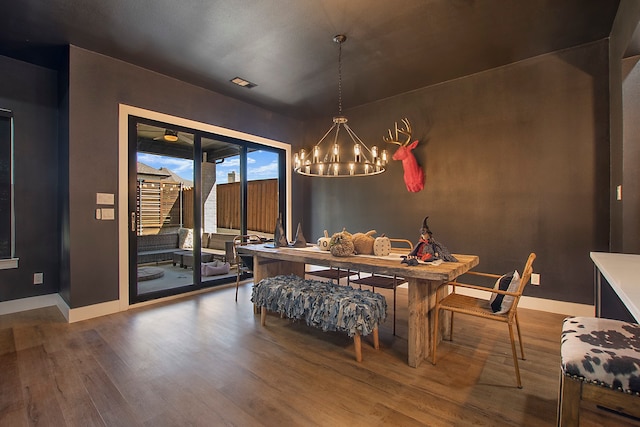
133,221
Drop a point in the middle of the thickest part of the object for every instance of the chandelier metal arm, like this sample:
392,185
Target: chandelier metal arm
325,135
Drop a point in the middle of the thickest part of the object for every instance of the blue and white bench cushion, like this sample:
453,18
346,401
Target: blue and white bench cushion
322,304
602,351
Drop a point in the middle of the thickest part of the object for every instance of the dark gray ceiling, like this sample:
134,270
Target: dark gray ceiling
286,47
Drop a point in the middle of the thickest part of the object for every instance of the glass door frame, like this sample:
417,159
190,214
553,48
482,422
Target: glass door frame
199,130
196,282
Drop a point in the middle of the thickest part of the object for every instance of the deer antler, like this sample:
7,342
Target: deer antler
406,131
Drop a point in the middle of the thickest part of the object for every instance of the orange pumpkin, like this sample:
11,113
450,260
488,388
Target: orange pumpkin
363,242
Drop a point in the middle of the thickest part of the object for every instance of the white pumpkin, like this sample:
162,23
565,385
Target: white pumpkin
382,246
324,242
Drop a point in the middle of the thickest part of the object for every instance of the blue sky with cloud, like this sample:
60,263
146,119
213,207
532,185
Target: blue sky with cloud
260,165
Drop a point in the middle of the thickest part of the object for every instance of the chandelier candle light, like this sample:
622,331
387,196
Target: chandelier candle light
329,160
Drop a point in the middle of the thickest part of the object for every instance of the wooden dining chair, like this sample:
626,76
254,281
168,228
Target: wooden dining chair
506,295
244,263
385,281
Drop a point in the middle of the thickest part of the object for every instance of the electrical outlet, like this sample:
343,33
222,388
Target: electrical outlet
38,278
535,279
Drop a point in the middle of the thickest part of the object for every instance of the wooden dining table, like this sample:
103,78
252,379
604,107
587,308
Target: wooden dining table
424,281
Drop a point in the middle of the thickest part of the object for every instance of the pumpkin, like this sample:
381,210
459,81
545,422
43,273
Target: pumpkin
323,242
341,244
363,242
382,246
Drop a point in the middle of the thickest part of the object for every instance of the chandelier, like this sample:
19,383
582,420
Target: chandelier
328,158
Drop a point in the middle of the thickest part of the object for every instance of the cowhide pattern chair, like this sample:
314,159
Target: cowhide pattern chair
601,364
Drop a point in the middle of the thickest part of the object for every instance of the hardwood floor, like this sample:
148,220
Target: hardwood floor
206,361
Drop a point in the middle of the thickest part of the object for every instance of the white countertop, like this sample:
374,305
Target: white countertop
622,272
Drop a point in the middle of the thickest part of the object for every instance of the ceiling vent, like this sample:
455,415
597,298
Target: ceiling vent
242,82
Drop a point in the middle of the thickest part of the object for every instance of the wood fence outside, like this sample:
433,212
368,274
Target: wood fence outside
159,206
187,207
262,205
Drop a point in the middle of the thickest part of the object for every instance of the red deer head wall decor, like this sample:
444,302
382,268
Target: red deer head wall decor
413,174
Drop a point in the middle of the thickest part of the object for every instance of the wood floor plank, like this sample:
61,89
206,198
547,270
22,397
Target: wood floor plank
206,360
72,396
191,401
37,383
12,411
112,407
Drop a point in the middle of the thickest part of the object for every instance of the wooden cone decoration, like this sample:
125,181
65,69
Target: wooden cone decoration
279,236
300,241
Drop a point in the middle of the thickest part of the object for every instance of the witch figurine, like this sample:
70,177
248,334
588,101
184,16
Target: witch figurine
429,249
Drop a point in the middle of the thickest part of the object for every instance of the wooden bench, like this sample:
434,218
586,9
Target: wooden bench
323,305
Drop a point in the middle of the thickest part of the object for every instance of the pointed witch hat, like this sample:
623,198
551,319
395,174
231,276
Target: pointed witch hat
425,228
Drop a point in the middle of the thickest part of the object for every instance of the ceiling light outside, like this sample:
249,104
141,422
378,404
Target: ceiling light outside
170,135
333,160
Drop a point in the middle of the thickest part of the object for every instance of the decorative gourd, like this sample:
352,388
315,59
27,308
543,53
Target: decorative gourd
363,242
382,246
323,242
341,244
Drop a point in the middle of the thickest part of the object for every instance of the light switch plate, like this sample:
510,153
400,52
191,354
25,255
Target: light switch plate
535,279
38,278
108,213
105,198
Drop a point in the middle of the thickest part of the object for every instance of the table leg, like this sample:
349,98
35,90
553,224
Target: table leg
445,315
422,300
265,267
598,290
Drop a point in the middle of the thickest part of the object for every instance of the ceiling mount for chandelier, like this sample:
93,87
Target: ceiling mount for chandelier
329,158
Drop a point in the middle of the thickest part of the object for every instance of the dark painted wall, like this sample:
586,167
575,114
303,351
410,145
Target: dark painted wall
631,158
63,173
97,84
30,92
516,160
622,225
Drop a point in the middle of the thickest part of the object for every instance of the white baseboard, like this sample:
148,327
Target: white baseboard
88,312
32,303
111,307
541,304
63,307
91,311
71,314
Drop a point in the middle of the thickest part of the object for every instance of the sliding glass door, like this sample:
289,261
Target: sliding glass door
218,207
190,193
263,189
